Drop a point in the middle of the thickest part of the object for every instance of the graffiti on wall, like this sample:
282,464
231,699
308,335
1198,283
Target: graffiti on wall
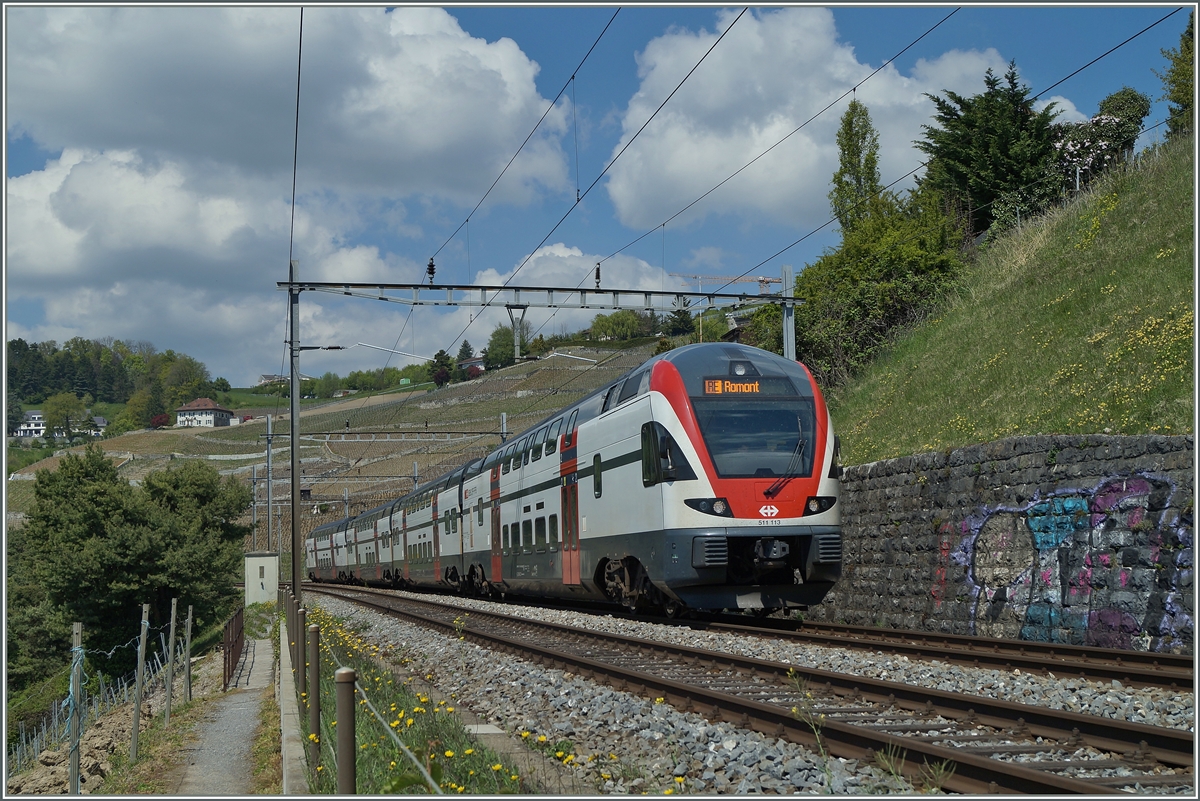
1103,567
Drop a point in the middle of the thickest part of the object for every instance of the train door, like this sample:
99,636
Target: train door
404,541
570,532
569,496
437,544
494,496
378,547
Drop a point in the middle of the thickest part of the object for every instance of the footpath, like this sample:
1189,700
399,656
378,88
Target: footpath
219,761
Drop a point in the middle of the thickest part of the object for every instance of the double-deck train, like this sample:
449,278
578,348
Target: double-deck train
706,478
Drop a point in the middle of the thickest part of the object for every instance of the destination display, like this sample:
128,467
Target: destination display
741,387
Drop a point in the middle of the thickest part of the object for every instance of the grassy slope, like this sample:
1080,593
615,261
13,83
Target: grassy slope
1080,323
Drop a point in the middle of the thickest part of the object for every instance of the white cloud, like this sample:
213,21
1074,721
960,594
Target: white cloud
771,73
1065,108
391,103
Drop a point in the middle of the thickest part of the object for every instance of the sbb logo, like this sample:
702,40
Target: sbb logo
768,511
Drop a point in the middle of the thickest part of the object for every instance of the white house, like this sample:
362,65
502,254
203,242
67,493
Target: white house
34,425
202,412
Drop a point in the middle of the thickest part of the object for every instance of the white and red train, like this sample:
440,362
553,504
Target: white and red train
706,478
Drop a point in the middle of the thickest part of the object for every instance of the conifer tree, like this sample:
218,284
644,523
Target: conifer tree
856,181
1179,84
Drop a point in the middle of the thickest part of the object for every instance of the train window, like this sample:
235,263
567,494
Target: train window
453,523
504,542
527,534
597,474
570,430
523,457
538,440
609,397
507,458
539,532
630,387
479,512
552,440
553,532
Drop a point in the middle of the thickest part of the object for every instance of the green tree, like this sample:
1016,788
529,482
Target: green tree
1179,82
1128,105
99,548
883,276
14,414
856,182
680,321
441,368
62,411
988,145
499,350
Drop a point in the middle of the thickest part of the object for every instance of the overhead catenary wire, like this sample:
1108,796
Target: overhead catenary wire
611,162
852,90
911,172
922,164
570,82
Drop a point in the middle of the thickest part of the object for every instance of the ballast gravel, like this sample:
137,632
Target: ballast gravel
626,744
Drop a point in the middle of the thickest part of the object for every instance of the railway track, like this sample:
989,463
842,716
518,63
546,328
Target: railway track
966,744
1132,668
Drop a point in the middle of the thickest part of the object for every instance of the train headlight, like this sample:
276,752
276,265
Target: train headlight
710,506
817,504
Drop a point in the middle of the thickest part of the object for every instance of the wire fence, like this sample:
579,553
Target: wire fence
55,730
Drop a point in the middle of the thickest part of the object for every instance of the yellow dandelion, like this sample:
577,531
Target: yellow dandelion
524,734
449,754
449,709
668,791
469,751
541,738
408,722
558,754
679,780
497,767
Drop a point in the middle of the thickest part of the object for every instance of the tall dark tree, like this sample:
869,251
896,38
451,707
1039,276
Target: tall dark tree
97,548
680,322
499,350
441,369
990,145
14,414
856,182
1179,82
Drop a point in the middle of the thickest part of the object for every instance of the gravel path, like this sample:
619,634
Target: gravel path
219,763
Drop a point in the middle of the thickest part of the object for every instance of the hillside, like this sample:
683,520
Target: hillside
1080,322
372,463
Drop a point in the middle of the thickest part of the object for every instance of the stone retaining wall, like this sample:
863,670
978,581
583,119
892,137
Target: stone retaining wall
1074,539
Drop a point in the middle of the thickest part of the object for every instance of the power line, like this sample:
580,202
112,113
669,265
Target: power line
922,164
570,82
837,100
613,161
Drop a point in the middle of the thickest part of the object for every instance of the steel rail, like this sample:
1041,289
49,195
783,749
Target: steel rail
973,774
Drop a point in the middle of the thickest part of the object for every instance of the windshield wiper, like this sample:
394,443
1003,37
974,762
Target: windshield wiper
793,463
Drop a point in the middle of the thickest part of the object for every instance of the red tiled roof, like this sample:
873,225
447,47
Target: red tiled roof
202,405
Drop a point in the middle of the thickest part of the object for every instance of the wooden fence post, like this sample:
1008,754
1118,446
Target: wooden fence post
314,695
187,657
171,661
76,703
347,777
137,695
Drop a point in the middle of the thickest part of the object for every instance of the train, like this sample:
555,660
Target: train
706,478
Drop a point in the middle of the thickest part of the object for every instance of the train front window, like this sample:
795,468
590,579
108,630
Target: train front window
758,438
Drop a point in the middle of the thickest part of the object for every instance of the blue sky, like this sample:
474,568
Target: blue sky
149,153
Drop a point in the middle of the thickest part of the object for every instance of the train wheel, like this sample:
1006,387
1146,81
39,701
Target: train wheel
673,609
625,582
